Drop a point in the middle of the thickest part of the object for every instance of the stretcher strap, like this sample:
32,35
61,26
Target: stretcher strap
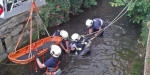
28,20
31,68
35,65
43,58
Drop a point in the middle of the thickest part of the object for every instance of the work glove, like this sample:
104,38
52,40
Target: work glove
86,43
35,55
78,49
82,42
82,36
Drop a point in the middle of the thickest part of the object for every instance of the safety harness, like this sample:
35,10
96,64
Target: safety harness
52,72
82,43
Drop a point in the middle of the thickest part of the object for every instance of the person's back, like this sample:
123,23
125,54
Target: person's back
52,63
95,25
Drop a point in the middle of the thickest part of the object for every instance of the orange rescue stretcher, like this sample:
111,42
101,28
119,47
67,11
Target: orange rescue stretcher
25,54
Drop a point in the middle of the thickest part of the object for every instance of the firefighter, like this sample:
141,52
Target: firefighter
53,62
80,44
95,25
65,42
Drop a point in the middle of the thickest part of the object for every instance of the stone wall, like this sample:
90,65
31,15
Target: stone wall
10,30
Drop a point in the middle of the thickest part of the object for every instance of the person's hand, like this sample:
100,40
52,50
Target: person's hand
72,48
35,55
67,50
95,34
82,35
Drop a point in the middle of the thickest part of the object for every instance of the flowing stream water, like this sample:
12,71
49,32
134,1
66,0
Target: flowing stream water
112,54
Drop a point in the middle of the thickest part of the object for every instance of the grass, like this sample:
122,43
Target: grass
126,54
131,56
137,67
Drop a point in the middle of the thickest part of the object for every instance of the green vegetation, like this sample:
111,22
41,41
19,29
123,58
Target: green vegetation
137,67
56,12
126,54
34,37
138,12
129,55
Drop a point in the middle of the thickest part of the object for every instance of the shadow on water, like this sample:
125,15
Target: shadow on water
112,54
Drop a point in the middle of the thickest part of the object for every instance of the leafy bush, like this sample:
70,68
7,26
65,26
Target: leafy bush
53,13
88,3
75,6
56,12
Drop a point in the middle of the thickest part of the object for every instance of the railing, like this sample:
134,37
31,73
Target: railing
14,7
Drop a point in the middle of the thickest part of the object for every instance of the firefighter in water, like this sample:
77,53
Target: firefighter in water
65,42
80,44
52,63
95,25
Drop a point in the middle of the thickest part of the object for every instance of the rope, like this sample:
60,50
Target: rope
30,54
116,19
112,21
43,25
29,18
120,13
22,32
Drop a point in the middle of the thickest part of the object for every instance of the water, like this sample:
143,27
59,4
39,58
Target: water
105,58
112,54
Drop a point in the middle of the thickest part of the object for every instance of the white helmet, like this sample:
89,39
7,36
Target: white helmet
89,22
75,37
64,34
55,50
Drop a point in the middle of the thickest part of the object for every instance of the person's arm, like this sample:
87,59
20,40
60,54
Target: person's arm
62,46
72,46
39,63
90,30
98,31
67,45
